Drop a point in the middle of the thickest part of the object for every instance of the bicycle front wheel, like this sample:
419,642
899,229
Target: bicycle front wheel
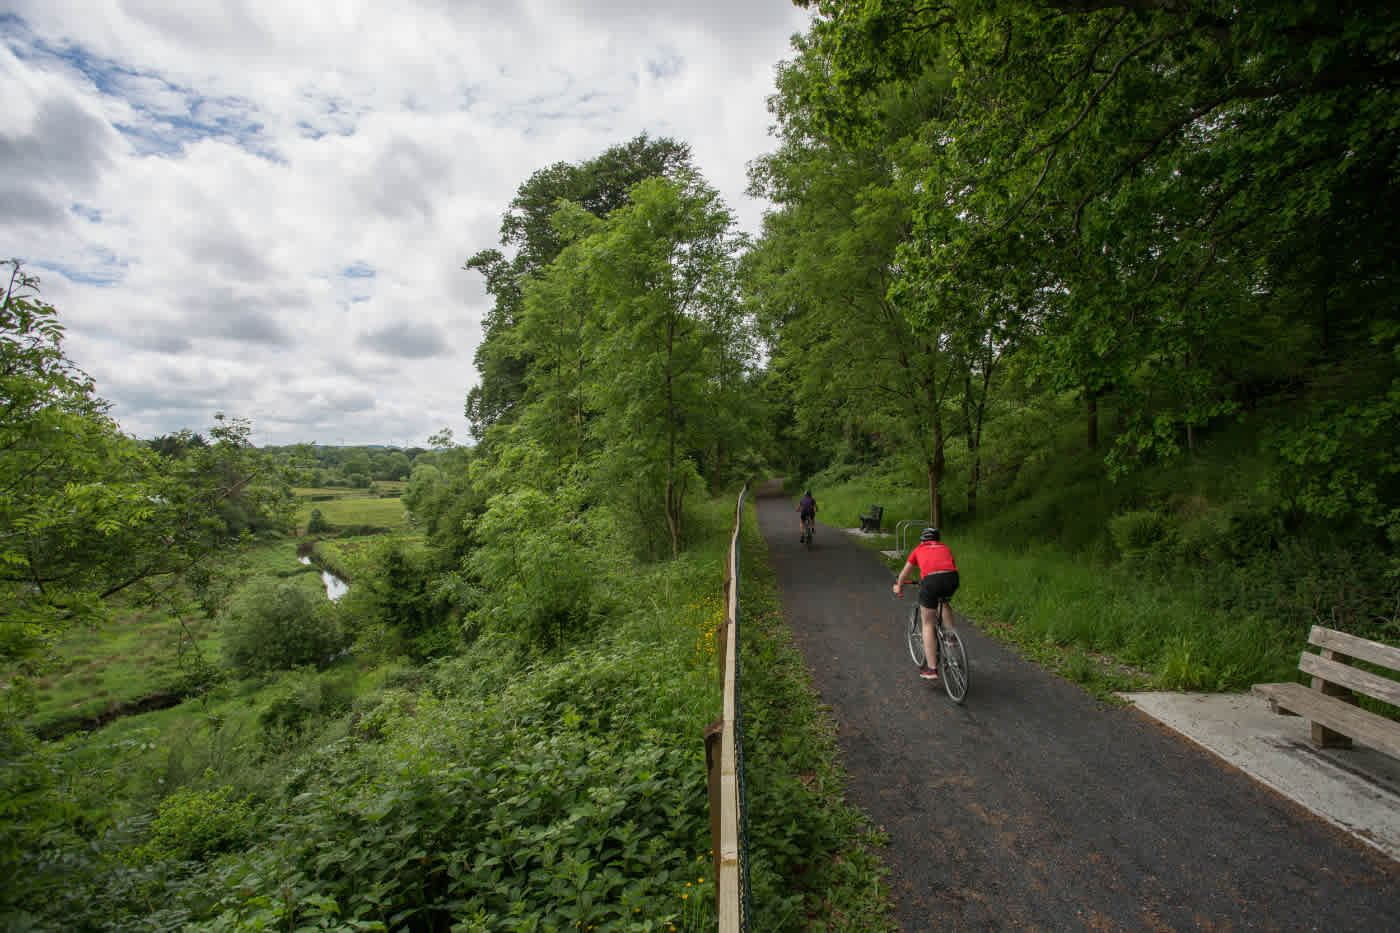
916,637
952,665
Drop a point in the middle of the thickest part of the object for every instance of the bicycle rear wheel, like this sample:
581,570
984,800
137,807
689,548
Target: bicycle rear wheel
952,665
916,637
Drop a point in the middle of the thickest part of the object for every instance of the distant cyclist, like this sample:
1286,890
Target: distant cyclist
940,581
806,513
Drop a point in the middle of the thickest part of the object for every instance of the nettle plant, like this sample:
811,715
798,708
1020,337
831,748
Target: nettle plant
575,799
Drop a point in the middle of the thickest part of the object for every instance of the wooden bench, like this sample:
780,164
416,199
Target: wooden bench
871,522
1330,703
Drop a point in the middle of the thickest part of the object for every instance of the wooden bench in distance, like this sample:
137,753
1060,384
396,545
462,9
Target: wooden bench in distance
871,522
1330,704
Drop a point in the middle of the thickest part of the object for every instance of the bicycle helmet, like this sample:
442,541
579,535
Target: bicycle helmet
928,534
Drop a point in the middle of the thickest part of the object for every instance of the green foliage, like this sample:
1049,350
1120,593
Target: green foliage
194,825
272,624
1139,532
505,787
598,186
90,513
539,570
442,499
398,603
620,330
317,523
1163,216
298,701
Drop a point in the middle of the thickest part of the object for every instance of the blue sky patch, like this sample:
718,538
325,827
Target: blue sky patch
104,270
167,116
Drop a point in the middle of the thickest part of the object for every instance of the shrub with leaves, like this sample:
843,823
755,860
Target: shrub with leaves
1139,532
317,523
298,701
541,567
272,624
195,824
400,607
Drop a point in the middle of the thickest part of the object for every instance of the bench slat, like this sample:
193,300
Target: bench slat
1365,727
1353,678
1354,647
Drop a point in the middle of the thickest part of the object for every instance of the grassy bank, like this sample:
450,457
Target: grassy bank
815,860
144,654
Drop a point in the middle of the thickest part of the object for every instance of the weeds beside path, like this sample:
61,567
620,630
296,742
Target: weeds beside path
1037,805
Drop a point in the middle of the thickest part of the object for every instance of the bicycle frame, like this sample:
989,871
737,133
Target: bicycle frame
950,657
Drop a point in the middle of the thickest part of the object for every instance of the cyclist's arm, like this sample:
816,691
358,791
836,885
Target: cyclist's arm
903,577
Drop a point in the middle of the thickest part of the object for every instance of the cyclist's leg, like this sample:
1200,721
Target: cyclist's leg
930,636
948,585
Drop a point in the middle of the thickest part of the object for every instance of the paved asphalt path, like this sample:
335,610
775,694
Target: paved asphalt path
1035,807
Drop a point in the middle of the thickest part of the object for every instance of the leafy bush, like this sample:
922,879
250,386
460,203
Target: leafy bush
317,523
272,624
193,825
541,567
397,603
299,699
1139,533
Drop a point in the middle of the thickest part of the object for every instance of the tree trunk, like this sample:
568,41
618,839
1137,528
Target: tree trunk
1091,408
974,439
673,511
935,500
936,467
673,514
972,482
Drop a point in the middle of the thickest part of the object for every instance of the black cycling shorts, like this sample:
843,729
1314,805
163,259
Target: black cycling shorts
936,586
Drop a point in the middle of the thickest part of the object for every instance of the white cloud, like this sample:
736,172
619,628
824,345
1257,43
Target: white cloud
263,207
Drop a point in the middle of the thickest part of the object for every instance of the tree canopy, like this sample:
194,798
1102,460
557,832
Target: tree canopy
87,512
1181,206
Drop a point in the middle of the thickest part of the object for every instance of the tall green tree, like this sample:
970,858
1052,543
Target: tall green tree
878,349
559,323
661,272
530,241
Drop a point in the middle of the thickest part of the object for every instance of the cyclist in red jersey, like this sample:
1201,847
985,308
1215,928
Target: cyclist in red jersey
939,581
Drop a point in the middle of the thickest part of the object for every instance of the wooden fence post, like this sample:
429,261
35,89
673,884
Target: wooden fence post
714,737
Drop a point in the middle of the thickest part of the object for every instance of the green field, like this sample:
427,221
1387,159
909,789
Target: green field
351,507
144,653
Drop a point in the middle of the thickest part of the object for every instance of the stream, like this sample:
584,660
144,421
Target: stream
335,587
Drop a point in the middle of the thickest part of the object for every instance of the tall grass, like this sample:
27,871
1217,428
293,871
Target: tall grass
1045,597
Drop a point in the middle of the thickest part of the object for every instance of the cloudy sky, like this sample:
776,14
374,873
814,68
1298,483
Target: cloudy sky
262,207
